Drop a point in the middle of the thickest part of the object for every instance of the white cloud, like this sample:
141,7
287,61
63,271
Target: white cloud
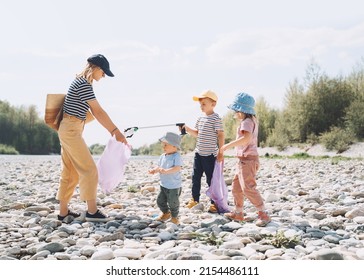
124,50
259,48
133,50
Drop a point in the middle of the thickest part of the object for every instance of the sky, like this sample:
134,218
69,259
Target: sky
163,52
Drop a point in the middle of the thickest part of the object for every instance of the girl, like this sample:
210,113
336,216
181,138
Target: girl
244,184
78,166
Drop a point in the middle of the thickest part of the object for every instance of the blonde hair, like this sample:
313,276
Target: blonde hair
87,72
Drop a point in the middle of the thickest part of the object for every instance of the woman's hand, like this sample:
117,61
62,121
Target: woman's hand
120,137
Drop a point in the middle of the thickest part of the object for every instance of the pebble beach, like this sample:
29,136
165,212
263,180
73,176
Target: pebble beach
316,206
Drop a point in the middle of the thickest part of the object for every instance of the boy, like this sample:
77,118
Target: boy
210,136
169,168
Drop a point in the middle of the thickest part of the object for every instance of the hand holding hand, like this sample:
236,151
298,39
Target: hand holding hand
223,148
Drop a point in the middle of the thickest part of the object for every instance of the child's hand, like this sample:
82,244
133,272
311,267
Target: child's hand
220,156
182,127
161,170
223,148
153,171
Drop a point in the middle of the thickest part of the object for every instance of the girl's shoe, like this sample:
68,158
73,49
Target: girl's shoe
263,219
164,217
235,216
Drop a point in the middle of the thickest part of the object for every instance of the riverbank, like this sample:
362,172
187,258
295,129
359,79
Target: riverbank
317,209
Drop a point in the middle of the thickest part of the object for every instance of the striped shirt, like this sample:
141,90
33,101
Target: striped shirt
78,94
207,127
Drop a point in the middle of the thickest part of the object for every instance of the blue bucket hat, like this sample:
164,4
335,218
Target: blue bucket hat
243,102
101,61
172,139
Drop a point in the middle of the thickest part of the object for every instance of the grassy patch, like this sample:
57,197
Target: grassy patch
334,159
279,240
208,238
133,189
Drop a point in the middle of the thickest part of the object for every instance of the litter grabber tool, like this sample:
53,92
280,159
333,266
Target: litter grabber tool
129,132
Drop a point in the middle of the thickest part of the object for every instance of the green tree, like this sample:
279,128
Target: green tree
327,101
22,129
266,118
188,143
354,118
230,125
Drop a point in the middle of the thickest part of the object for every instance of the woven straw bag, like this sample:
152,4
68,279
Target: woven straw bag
54,110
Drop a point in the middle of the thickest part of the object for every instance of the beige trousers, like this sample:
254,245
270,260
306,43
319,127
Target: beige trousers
244,183
78,166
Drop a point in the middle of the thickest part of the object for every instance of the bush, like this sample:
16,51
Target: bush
97,149
313,139
8,150
337,139
278,140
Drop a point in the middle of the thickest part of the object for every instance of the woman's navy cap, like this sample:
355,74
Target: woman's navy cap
101,61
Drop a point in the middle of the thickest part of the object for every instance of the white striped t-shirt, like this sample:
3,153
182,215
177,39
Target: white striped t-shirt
78,94
208,127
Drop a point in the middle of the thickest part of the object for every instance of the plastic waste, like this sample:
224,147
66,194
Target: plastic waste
112,163
218,191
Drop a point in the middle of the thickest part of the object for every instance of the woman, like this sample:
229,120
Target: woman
78,166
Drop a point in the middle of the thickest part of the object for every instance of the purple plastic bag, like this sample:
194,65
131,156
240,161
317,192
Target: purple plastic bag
112,163
218,191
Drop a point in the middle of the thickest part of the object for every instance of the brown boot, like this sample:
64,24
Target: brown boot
213,208
164,217
175,220
191,203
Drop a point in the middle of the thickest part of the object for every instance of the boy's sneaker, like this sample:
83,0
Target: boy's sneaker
175,220
70,213
97,217
235,216
164,217
213,208
263,219
191,203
